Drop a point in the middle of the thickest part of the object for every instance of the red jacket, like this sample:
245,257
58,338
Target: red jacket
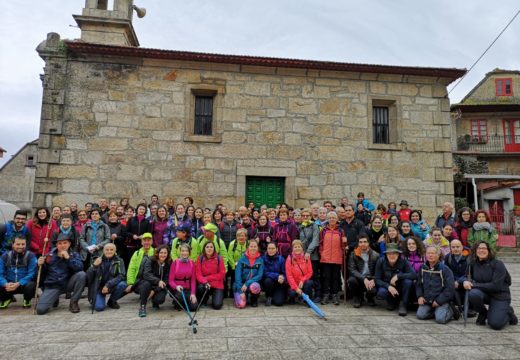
404,215
331,246
182,274
211,271
38,234
297,270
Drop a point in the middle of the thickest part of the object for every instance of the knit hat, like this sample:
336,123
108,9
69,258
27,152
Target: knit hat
392,248
210,227
147,235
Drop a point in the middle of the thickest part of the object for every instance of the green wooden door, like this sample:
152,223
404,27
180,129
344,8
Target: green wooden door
265,190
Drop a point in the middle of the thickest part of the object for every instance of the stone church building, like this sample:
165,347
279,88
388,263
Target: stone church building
122,120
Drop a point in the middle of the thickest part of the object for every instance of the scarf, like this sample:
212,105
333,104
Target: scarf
183,260
63,231
252,258
297,256
140,218
482,226
93,239
306,223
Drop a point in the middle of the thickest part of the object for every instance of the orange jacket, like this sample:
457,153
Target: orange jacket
296,270
331,246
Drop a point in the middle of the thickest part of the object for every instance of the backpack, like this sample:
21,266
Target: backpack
202,258
8,259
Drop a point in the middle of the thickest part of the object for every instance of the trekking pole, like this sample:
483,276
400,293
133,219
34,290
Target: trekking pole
345,270
192,323
45,241
200,303
178,303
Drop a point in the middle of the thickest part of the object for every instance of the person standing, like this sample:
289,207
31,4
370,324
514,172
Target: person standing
41,227
12,229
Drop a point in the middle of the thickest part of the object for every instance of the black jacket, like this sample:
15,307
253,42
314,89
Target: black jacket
153,272
134,227
98,276
384,272
356,264
491,277
352,230
435,284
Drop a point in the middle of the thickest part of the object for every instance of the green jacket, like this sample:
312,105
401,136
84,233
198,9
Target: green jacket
220,248
483,235
134,268
176,250
235,253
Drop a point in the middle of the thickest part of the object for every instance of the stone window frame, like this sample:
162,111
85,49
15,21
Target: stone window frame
217,92
395,122
30,160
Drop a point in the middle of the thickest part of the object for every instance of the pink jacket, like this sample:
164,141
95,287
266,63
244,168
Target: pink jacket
183,274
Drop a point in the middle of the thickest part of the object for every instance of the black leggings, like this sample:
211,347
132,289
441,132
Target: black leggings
144,289
217,296
275,290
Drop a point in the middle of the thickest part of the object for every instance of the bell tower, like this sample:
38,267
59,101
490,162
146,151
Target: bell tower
108,22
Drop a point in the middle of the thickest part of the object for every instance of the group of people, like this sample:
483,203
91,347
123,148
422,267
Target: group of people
192,254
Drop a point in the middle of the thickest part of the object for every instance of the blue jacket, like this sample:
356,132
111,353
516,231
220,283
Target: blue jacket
435,284
58,271
22,268
8,233
367,205
417,231
457,268
274,266
246,274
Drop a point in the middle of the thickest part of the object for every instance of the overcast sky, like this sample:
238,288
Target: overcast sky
442,33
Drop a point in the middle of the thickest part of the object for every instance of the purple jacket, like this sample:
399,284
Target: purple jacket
415,261
158,230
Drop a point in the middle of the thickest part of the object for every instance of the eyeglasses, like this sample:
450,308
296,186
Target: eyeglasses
82,214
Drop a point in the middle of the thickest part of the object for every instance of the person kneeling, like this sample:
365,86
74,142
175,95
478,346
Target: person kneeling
394,279
182,280
106,276
274,282
17,273
361,266
63,272
248,274
211,272
299,272
435,288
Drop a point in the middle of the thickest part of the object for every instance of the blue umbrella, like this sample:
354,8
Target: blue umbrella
313,306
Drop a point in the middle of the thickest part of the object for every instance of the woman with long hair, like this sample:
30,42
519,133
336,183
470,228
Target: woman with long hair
482,230
465,220
41,227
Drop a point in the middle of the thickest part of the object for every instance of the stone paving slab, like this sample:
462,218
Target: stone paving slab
289,332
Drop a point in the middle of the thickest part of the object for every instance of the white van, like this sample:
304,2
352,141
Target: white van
7,211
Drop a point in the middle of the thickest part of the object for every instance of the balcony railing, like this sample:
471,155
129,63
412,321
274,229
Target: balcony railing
489,144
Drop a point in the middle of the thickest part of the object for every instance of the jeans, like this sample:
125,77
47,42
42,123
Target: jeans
403,288
275,290
497,311
442,313
28,290
75,285
116,294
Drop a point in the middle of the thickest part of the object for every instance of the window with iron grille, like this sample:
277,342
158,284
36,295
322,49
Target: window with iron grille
203,115
380,125
29,160
504,87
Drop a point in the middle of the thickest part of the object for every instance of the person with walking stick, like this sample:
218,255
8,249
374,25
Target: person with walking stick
63,271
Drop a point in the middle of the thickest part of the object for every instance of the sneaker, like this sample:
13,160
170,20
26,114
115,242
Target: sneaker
317,299
403,311
155,306
325,299
371,301
356,302
74,307
113,304
456,311
254,303
26,304
5,303
335,299
390,306
472,313
481,319
513,319
142,311
268,301
291,301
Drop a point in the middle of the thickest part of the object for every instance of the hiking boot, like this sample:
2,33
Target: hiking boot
481,318
513,319
390,306
317,299
371,301
403,311
142,311
291,301
5,303
26,304
56,303
254,303
335,299
155,306
356,302
325,299
113,304
74,307
268,301
456,311
68,295
472,313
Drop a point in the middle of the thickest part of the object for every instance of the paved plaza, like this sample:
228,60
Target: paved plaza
290,332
